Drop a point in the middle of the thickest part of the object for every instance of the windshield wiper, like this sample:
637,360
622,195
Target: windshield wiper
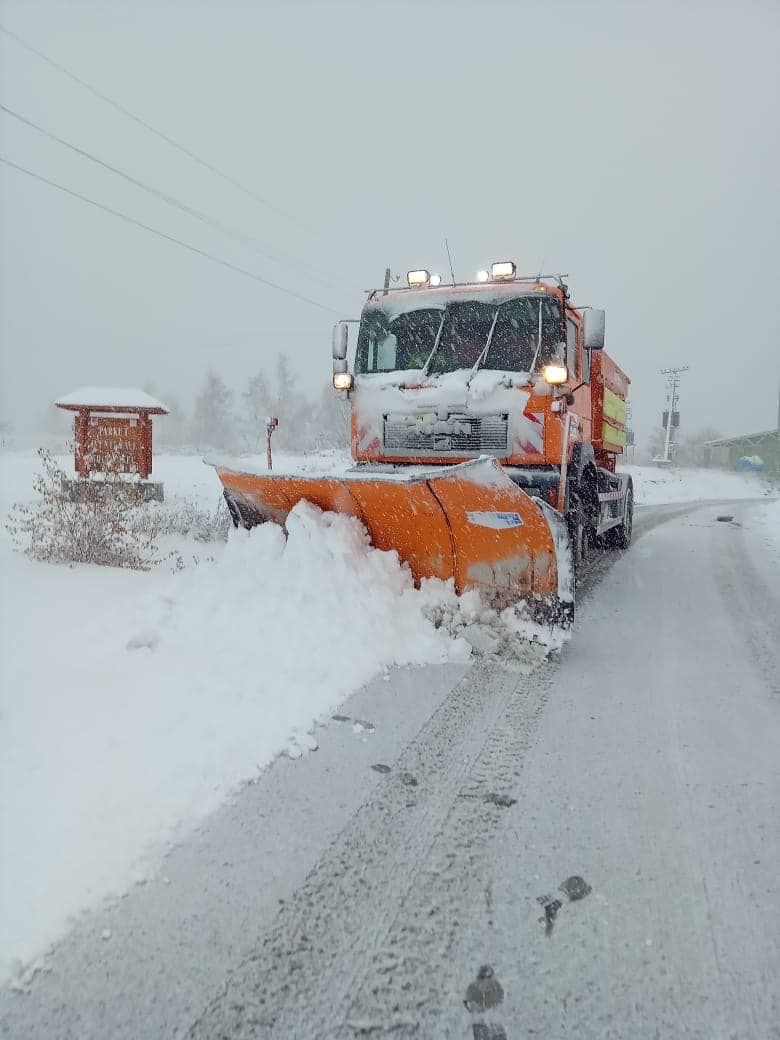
532,369
483,356
435,342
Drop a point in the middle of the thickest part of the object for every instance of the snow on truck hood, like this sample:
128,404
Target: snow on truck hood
455,389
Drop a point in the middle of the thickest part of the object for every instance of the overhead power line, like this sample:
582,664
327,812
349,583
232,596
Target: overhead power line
246,240
169,238
153,130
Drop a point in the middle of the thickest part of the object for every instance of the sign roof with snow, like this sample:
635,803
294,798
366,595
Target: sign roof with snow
111,399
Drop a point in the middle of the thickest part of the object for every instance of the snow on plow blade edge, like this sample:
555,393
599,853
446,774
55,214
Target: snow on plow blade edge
467,522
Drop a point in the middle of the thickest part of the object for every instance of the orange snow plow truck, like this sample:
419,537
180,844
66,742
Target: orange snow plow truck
486,421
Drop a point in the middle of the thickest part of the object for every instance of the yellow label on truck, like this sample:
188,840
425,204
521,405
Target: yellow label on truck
614,407
609,435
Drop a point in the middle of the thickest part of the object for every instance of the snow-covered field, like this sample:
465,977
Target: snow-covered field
134,703
654,486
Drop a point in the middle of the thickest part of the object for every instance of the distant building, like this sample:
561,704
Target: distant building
764,446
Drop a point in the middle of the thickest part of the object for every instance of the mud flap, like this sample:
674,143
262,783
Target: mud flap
562,604
469,523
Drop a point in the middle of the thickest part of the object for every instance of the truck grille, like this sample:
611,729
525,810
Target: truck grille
458,434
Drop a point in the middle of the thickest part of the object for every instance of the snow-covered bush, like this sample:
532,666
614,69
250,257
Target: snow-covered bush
105,524
185,517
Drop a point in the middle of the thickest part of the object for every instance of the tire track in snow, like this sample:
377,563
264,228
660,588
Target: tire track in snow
373,913
371,928
749,600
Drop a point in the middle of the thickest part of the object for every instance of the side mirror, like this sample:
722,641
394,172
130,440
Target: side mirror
340,340
593,329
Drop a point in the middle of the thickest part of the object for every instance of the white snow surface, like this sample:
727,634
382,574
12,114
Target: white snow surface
653,486
331,463
134,703
766,523
105,396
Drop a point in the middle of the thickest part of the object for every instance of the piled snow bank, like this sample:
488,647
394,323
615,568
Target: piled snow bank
118,735
766,521
511,634
655,486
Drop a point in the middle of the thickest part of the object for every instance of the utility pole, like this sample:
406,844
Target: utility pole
673,384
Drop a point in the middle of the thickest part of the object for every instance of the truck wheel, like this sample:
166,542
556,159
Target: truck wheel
620,537
581,535
235,513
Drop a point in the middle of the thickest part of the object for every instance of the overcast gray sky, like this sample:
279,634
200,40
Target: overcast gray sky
634,146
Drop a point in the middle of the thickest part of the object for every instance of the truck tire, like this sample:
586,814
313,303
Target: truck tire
581,537
235,512
620,536
582,521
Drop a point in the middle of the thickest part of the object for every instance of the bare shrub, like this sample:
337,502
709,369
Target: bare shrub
105,524
185,517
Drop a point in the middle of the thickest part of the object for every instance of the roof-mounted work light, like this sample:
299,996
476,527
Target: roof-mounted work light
503,271
417,279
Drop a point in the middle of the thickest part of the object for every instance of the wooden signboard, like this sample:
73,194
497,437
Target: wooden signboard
113,430
113,444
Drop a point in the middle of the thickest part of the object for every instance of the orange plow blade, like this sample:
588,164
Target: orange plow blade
468,522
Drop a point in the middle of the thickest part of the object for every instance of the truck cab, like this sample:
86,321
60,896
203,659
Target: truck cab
505,366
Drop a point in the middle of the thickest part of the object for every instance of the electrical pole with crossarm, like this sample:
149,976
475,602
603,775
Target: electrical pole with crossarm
672,416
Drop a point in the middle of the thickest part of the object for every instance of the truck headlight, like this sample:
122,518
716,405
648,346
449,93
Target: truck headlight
555,374
342,381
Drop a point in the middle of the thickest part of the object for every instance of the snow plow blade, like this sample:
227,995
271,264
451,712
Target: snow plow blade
467,522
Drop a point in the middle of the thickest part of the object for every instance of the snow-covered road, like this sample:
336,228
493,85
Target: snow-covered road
360,889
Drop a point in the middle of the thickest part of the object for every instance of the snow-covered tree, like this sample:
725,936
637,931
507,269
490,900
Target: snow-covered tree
691,450
171,429
256,407
212,420
290,407
264,398
327,425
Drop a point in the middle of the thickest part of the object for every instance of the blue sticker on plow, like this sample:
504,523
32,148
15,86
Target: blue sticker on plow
497,521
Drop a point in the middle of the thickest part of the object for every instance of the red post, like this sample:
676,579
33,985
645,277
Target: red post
145,461
81,433
270,426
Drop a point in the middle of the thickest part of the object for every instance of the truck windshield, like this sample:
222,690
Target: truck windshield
455,335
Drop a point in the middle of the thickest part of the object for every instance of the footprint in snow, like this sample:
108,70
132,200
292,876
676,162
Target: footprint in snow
484,992
551,907
502,800
574,888
487,1031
